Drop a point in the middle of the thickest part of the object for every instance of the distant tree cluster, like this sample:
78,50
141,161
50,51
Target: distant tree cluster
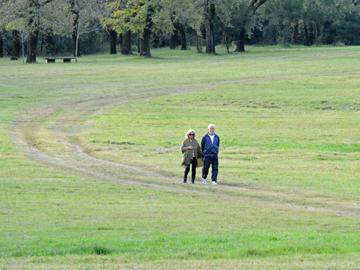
50,27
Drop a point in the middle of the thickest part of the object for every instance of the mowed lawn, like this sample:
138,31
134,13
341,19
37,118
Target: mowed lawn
288,121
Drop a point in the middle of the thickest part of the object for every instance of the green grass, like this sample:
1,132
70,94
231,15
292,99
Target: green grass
279,132
287,120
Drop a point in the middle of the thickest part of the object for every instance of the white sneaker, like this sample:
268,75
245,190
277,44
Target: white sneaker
214,183
203,180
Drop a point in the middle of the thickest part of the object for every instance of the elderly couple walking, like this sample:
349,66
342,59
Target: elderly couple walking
205,156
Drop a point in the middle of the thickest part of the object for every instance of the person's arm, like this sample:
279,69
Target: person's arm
183,147
203,144
200,153
218,144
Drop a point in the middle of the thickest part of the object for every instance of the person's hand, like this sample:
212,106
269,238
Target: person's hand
189,148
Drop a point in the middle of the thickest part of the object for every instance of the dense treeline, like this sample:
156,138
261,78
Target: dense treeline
51,27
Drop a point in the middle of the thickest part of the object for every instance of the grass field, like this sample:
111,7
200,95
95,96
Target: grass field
90,161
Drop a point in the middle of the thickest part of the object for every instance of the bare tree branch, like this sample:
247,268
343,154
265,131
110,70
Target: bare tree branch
255,4
46,2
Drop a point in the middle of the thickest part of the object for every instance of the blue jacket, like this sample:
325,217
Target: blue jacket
208,148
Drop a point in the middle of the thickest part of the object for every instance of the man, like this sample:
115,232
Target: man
210,147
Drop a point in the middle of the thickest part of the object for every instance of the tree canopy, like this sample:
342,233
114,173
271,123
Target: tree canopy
50,27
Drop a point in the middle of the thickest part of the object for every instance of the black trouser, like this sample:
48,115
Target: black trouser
193,170
214,162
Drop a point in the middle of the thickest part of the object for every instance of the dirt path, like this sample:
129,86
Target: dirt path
65,121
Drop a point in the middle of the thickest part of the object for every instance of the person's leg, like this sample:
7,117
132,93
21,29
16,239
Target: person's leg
214,169
193,170
187,170
206,166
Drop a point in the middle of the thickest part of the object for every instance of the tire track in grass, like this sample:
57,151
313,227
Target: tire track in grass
70,116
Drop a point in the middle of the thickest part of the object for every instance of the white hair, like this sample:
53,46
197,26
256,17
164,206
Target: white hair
211,125
188,132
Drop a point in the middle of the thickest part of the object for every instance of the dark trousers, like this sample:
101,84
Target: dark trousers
193,170
214,162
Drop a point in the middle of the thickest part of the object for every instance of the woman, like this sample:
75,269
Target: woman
192,151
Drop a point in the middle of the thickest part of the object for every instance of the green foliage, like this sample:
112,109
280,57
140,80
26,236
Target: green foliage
187,12
309,22
132,15
18,24
236,15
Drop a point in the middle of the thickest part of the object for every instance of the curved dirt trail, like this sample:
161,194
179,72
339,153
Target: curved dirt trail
64,122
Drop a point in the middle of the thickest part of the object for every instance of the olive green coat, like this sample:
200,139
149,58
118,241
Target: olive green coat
188,154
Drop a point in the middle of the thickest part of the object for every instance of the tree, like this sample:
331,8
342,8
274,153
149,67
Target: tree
184,15
284,20
143,17
348,22
126,36
16,45
113,40
145,35
33,13
84,13
1,43
116,11
174,39
56,21
75,8
238,18
12,19
48,25
311,21
209,15
118,19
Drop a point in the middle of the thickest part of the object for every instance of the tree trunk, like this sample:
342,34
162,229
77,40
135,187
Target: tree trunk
174,40
145,43
126,37
50,44
309,36
146,35
126,43
240,43
31,47
16,45
76,43
329,33
226,42
312,33
113,41
306,35
23,47
209,14
295,37
33,25
156,43
199,44
183,41
1,44
138,42
77,47
75,25
318,33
